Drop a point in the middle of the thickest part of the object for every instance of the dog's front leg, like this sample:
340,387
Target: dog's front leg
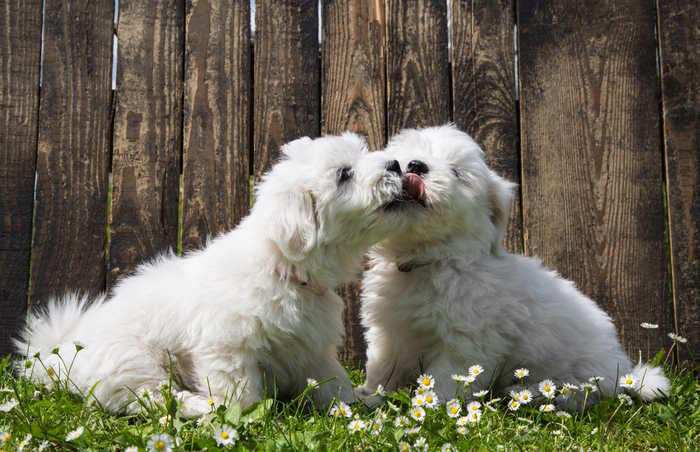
338,388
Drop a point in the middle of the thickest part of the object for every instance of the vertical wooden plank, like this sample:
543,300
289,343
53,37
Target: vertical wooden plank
418,93
592,176
679,50
216,119
483,90
353,87
286,74
73,157
20,49
147,132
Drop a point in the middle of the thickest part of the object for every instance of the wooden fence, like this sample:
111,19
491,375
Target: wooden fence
600,134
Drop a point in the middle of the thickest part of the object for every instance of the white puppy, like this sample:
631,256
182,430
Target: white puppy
442,294
256,307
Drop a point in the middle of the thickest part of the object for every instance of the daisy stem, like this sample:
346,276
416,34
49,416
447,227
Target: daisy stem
668,355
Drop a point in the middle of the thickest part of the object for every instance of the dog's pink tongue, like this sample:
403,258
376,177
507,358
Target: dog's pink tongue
413,186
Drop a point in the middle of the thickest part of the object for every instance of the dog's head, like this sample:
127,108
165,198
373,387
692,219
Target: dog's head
449,191
327,194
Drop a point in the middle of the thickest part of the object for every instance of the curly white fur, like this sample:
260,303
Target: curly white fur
254,308
464,300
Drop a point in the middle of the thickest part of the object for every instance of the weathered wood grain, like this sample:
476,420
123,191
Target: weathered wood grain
353,98
20,54
483,90
147,132
679,51
216,119
286,75
73,158
418,93
592,167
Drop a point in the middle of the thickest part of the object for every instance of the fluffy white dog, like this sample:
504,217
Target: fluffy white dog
256,307
442,294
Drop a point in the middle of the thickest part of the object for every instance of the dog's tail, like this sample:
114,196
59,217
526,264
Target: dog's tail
52,324
652,383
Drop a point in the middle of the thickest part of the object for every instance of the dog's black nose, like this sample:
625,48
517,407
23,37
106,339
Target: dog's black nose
417,167
394,167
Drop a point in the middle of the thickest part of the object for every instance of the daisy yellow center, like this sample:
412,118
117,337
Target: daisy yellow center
429,399
629,382
524,396
476,371
224,435
357,426
159,445
50,371
453,410
564,390
404,446
342,410
211,402
417,413
5,437
514,404
522,374
547,388
475,408
474,415
426,381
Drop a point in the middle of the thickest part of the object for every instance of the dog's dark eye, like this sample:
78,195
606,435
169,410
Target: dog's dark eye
344,174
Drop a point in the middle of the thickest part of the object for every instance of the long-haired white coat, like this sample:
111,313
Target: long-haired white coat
442,294
253,309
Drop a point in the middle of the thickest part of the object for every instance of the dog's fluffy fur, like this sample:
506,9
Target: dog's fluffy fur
443,294
256,307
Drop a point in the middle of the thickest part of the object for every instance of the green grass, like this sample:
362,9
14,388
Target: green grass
51,413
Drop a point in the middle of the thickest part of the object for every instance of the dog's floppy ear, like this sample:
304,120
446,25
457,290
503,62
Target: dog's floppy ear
500,194
294,227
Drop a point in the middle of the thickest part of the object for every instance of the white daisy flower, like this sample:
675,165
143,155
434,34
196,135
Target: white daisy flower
418,413
459,378
596,379
431,399
418,400
421,444
341,409
566,389
225,435
524,396
165,420
462,430
481,393
37,394
469,380
474,416
412,431
563,414
476,370
312,383
160,443
521,429
5,437
649,326
202,420
380,391
43,446
521,373
356,426
513,405
594,431
8,406
376,427
547,388
625,399
588,387
515,395
447,447
547,408
25,441
489,407
78,345
404,446
401,421
454,408
131,449
628,381
676,338
393,407
75,434
381,415
462,421
473,406
557,432
426,381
